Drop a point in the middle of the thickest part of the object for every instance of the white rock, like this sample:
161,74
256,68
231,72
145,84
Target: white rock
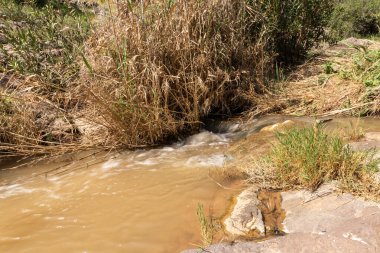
278,126
245,216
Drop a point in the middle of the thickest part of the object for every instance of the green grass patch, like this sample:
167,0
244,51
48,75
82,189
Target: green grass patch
309,157
42,39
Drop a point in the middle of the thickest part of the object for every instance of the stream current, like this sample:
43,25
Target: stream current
142,201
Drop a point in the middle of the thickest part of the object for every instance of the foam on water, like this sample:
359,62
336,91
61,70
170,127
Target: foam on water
216,160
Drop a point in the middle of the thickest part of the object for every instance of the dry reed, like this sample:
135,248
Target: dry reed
157,73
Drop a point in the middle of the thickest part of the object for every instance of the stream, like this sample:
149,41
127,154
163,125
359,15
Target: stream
141,201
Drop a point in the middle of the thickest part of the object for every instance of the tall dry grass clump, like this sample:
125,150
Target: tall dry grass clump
156,69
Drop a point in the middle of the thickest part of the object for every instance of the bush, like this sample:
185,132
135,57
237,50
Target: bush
158,69
295,26
353,18
309,157
367,67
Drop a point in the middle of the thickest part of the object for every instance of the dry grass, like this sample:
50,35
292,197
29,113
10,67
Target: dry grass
343,89
151,70
38,68
156,70
354,132
31,124
156,74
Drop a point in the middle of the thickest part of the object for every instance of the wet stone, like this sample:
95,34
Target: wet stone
370,141
287,124
246,218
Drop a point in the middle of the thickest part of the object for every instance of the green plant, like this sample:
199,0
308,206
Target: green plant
328,68
207,230
323,79
42,38
354,18
150,70
367,67
294,26
5,105
345,74
279,74
309,157
39,46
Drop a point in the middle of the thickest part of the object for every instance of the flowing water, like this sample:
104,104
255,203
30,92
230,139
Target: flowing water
138,201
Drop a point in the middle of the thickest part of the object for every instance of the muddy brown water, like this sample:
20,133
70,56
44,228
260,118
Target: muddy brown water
140,201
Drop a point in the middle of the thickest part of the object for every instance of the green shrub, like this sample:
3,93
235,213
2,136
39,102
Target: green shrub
295,25
309,157
42,39
355,18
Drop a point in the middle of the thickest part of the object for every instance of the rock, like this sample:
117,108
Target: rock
91,132
242,247
323,190
354,42
298,242
245,217
370,141
375,136
62,130
327,222
279,126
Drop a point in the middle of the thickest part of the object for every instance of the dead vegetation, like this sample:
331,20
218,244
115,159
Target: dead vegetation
330,83
157,70
156,74
31,124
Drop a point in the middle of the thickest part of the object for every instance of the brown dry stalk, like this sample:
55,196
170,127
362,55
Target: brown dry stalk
158,74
